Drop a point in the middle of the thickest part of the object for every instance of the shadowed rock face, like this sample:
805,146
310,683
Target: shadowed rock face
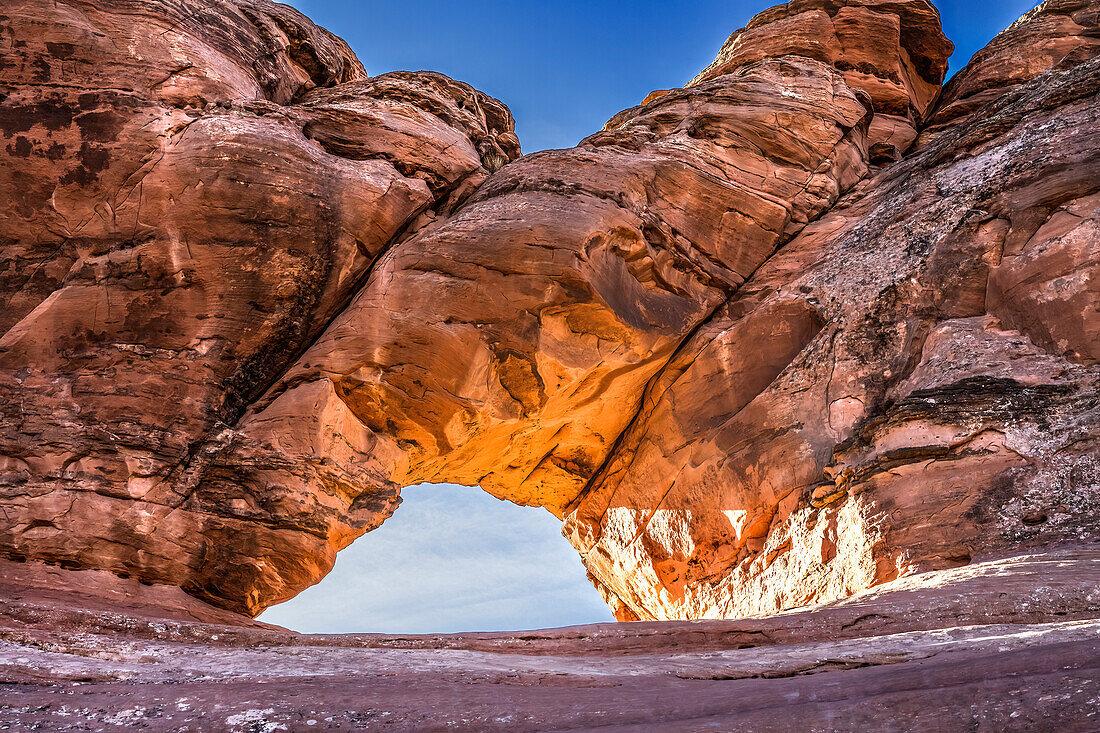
191,192
1058,34
252,292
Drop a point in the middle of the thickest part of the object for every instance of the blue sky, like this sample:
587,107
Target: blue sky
454,558
565,67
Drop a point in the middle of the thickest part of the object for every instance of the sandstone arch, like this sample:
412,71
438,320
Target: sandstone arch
266,290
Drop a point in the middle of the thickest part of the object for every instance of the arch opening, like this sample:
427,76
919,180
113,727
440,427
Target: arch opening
450,559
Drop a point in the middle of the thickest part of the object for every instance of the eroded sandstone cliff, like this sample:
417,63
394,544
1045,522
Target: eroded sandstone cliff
799,328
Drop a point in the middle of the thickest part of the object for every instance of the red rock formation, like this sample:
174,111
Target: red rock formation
866,406
893,51
506,347
1058,34
599,260
908,384
190,192
256,294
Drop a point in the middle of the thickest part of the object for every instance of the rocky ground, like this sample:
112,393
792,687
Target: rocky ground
1004,644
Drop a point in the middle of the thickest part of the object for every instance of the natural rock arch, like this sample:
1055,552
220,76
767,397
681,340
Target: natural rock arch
744,365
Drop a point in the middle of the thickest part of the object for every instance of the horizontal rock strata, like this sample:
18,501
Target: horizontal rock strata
1012,640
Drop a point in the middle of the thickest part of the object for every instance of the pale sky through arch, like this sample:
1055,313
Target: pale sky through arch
452,558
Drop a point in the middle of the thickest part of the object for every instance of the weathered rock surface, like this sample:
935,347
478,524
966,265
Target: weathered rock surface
190,192
909,384
505,347
1058,34
1007,645
893,51
508,346
752,361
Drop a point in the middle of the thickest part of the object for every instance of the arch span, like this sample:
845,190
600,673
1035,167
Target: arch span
742,362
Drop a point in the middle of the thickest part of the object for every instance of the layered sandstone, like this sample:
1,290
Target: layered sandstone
909,384
507,347
749,359
893,51
1057,34
181,217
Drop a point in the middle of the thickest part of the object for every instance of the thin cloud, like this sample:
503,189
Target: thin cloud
451,559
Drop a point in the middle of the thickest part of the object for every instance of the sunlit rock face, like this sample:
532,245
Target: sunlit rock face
908,384
511,345
752,359
893,51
